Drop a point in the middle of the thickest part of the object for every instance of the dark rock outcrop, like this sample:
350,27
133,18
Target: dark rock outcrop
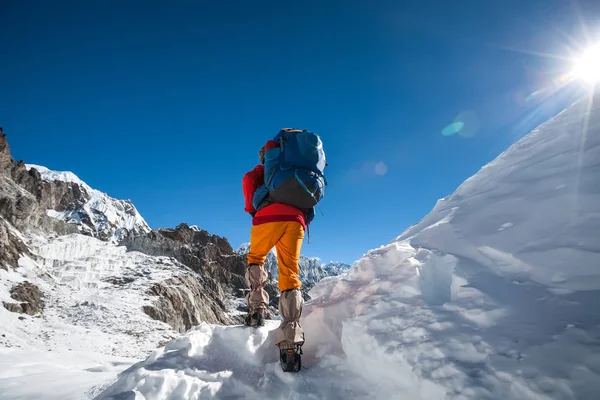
185,301
22,193
6,160
12,248
220,271
29,299
25,197
211,256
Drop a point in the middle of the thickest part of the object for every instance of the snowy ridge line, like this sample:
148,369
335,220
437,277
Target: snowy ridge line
101,214
63,176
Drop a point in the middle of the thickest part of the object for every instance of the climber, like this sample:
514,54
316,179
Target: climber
281,209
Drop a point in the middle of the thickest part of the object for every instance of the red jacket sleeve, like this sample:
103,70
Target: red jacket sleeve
270,145
252,180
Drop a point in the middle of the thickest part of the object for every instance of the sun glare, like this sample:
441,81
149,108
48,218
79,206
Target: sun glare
587,66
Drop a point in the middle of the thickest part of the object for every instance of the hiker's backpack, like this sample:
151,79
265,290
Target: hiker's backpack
294,171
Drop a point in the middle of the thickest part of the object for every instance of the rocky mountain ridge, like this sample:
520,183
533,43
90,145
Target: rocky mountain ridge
76,257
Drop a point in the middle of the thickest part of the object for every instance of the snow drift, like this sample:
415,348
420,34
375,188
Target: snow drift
494,295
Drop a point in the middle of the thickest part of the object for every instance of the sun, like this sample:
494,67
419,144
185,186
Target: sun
587,66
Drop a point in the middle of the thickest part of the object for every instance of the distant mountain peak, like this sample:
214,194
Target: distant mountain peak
94,212
63,176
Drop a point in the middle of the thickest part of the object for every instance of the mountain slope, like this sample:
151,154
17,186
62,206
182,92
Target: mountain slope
93,212
71,295
495,294
536,206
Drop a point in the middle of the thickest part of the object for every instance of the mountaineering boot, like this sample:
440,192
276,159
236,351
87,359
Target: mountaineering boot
255,317
290,357
289,335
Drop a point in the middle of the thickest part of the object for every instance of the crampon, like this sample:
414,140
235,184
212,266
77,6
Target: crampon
290,357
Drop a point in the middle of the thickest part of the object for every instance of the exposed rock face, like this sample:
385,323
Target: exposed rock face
6,160
220,272
208,255
22,193
29,298
36,198
185,301
19,208
12,247
67,198
17,205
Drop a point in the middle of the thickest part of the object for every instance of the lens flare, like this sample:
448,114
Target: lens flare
587,66
453,128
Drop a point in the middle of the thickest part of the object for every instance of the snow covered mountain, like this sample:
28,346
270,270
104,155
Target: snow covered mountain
93,212
312,270
71,294
495,294
335,268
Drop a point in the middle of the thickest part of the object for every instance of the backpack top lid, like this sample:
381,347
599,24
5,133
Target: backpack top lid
293,130
294,171
304,149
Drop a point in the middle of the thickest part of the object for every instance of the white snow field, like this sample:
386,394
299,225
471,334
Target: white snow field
34,374
494,295
90,328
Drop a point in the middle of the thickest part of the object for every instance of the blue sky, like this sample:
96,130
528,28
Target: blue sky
167,103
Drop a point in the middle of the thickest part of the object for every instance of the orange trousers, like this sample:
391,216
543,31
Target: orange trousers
287,239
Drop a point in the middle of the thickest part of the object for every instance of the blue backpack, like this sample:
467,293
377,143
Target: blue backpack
294,172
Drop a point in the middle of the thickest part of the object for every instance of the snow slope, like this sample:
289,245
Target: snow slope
33,374
494,295
94,292
100,215
92,325
64,176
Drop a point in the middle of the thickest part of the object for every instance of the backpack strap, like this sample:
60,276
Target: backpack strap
305,187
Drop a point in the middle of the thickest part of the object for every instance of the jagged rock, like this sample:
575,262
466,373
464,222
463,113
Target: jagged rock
12,247
220,271
5,157
29,297
184,302
208,255
63,196
20,194
17,206
29,180
13,307
119,280
93,213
